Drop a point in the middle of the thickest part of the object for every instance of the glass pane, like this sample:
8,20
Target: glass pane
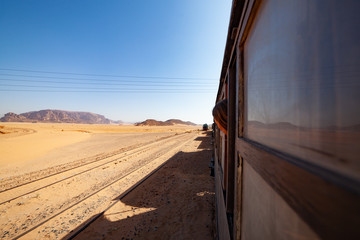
302,81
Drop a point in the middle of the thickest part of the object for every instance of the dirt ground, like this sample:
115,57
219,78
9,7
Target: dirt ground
27,147
55,178
177,202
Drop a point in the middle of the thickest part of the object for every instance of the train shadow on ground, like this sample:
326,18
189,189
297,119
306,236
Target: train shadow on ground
204,144
177,202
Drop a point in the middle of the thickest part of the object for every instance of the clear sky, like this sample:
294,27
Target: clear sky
127,60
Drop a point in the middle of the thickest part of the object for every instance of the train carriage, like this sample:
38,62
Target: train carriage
288,166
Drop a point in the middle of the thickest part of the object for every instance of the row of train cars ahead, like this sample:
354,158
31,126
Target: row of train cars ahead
289,166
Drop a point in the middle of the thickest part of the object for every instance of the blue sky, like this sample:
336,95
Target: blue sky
128,60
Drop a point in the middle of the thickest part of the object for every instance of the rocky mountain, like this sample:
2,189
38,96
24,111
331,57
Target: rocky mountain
57,116
170,122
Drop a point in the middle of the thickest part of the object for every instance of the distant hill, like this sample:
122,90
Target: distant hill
58,116
170,122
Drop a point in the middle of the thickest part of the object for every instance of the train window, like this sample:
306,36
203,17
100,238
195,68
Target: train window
301,79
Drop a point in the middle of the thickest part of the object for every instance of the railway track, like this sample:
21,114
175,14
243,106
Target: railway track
51,179
105,179
124,194
24,179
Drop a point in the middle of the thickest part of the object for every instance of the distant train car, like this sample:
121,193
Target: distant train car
205,127
288,166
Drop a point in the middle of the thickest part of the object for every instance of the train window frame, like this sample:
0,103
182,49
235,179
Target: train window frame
231,133
240,90
296,181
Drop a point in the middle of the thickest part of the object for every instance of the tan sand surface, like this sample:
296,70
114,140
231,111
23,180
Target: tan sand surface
177,202
61,175
21,143
27,147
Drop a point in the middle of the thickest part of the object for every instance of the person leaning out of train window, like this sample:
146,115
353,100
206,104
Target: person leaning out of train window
220,115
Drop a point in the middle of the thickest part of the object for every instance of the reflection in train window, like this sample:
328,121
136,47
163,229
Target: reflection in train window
302,81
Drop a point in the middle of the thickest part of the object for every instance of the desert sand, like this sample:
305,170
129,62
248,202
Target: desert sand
54,178
23,144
